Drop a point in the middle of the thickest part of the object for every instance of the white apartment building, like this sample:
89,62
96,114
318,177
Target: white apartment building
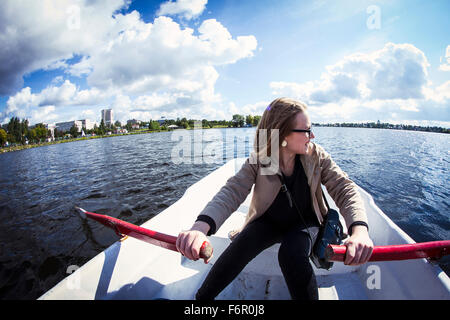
87,124
107,117
65,126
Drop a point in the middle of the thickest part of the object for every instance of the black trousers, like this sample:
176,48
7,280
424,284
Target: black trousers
293,257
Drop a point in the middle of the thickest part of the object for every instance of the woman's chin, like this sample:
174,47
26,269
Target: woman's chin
306,148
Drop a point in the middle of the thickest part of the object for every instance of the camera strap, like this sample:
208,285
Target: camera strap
292,204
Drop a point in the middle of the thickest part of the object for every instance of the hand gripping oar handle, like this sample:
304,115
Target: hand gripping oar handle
432,250
156,238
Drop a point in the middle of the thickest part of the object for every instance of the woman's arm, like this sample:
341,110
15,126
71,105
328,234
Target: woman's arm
230,196
223,204
346,196
342,190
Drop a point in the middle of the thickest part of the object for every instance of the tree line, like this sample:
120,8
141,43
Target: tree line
381,125
19,132
237,121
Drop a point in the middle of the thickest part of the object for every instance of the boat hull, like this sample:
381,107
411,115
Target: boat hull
132,269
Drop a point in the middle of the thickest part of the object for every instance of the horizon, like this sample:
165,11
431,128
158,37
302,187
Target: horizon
350,62
191,119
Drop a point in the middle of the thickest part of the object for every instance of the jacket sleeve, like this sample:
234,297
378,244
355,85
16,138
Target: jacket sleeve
230,196
343,191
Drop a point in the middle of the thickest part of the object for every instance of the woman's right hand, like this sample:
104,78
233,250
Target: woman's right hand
189,242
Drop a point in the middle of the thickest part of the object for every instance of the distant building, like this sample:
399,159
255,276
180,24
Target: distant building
65,126
162,120
52,128
121,131
88,124
107,117
135,124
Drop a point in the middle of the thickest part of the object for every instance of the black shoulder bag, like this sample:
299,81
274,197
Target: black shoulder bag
330,232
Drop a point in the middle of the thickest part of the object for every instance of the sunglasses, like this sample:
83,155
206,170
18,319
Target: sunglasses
308,131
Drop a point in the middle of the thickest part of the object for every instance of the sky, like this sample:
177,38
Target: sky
349,61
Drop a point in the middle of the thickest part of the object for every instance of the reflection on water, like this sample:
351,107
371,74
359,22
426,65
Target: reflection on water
134,178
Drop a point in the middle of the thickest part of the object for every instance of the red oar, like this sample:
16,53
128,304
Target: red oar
431,250
157,238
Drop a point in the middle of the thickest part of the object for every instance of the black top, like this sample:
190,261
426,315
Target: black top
280,213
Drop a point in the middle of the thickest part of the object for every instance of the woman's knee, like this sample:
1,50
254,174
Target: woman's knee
295,245
291,254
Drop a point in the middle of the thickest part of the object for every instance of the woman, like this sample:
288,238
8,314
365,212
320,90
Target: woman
275,217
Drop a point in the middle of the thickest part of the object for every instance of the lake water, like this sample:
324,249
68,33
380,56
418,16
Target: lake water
134,178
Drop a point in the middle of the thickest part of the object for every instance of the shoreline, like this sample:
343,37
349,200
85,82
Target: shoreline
30,146
44,144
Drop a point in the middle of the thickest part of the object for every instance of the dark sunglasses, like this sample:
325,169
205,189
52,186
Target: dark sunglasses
308,131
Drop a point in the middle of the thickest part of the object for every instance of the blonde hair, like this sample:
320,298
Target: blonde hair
280,114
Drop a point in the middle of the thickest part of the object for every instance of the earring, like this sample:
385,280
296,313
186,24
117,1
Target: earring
284,143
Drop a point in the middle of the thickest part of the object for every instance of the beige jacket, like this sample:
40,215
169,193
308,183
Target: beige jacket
319,168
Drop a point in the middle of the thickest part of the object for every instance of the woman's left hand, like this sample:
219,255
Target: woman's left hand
359,247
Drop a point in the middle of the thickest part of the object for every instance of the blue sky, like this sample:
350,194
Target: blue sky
351,61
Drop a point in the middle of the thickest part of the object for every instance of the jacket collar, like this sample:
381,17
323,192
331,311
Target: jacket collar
308,162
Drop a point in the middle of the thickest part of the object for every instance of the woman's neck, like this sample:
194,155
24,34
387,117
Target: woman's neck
287,162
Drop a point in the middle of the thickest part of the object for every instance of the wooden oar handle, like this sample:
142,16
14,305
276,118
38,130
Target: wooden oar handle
433,250
206,251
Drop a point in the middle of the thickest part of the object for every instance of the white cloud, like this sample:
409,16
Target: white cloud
81,68
160,55
390,81
232,109
90,114
219,46
120,55
68,94
37,106
396,71
188,9
23,99
61,95
45,115
442,92
255,108
39,35
169,62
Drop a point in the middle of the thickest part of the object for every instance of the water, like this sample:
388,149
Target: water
134,178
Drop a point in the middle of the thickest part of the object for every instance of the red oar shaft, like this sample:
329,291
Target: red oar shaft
156,238
433,249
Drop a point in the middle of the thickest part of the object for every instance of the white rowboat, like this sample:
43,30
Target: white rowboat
132,269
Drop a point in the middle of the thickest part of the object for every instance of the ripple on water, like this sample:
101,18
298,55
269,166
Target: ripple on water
95,196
